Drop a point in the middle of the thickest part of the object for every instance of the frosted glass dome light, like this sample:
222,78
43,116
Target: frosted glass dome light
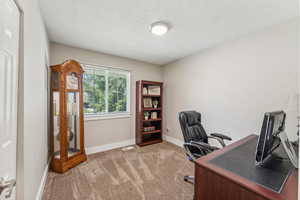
159,28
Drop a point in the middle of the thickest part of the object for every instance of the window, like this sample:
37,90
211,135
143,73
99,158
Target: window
106,91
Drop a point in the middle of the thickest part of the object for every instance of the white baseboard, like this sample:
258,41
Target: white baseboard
173,140
39,194
106,147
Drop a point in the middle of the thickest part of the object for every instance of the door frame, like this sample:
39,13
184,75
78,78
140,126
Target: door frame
20,108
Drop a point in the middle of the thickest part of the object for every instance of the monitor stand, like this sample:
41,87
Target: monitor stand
289,149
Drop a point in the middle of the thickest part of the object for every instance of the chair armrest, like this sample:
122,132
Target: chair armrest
220,140
219,135
205,146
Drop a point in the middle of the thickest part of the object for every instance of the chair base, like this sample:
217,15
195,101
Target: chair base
189,179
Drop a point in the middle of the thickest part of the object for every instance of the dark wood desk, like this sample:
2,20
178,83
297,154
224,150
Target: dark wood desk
214,183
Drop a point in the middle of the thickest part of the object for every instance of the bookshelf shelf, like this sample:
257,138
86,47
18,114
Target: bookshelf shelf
150,142
151,120
149,95
149,109
151,132
151,114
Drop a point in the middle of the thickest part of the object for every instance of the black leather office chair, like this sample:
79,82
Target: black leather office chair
195,138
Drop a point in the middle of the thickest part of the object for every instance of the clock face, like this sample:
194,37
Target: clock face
72,82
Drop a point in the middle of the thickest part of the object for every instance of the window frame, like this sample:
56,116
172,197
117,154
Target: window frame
106,114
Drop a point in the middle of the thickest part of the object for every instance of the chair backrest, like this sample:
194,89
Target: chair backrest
190,123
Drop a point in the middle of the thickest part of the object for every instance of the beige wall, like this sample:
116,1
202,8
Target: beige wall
35,152
101,132
233,84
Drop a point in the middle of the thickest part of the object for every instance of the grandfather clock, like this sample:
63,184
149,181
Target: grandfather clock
67,128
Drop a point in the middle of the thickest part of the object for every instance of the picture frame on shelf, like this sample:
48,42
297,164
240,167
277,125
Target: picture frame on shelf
154,115
147,103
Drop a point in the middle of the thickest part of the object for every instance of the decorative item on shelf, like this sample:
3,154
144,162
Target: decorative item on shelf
146,115
145,91
154,115
66,121
149,128
147,102
155,103
153,90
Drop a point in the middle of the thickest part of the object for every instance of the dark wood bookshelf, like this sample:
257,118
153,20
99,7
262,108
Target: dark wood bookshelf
144,138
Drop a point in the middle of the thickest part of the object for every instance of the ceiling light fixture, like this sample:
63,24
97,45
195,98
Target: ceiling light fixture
159,28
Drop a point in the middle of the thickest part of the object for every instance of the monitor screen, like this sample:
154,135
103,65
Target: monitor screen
268,141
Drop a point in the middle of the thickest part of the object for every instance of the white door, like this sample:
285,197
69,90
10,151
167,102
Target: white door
9,49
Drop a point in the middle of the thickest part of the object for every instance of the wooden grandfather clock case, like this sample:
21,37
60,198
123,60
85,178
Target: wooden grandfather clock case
67,128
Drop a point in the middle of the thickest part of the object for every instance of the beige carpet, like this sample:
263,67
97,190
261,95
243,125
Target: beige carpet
153,172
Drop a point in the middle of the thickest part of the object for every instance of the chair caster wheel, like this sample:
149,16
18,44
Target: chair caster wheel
189,179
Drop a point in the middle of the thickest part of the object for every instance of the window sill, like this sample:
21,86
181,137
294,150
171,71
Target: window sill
107,116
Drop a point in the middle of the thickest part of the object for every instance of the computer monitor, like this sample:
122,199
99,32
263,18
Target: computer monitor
269,139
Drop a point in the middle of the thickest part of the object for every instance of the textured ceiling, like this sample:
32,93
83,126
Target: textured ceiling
121,27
